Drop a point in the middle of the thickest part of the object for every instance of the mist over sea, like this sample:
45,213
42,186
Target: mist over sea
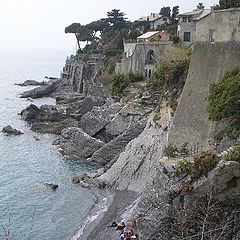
28,209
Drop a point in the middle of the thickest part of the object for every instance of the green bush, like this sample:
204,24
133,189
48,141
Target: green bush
224,97
233,155
170,150
177,61
232,131
184,166
121,81
204,163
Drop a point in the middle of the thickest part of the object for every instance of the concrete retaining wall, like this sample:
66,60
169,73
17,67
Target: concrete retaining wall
209,63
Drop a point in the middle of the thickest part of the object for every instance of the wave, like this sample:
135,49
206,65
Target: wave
101,208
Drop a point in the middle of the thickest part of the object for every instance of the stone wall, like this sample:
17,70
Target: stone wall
225,23
136,62
208,65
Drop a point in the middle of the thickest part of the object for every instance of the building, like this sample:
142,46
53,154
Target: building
187,24
219,26
156,20
154,36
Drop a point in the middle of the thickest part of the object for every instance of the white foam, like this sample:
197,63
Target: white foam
91,218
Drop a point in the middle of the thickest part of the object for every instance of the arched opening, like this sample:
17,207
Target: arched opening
150,59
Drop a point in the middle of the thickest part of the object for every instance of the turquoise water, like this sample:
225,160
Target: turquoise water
28,209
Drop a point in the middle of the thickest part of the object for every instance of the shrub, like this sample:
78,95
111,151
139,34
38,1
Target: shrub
121,81
234,154
184,166
177,61
204,163
170,150
232,131
224,97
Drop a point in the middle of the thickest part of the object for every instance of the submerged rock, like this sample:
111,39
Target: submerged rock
11,131
75,142
51,185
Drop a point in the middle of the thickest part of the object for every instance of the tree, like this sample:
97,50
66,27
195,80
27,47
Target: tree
166,11
175,12
116,19
224,97
74,28
200,6
229,3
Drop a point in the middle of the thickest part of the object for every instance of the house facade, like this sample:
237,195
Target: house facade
154,36
219,26
187,24
156,20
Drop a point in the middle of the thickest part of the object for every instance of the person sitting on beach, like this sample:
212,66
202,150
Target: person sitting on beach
135,237
120,226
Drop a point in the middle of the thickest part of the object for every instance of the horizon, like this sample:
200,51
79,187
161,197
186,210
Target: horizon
40,25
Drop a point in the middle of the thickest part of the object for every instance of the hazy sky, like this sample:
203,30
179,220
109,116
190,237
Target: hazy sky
40,23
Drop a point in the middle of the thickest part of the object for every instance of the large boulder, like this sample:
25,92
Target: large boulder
48,113
11,131
111,150
89,102
42,91
95,120
75,142
30,113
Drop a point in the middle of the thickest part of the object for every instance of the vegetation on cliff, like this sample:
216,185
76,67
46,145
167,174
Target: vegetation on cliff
224,102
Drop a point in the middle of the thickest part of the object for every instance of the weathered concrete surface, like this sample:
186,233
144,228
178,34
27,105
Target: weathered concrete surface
112,149
225,24
208,65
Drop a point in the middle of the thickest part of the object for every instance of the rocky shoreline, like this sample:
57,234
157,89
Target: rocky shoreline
128,137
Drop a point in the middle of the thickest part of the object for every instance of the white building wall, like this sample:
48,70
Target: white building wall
225,24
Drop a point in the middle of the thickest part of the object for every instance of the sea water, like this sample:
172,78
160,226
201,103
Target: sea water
29,209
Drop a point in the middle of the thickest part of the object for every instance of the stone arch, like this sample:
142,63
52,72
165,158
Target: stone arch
150,58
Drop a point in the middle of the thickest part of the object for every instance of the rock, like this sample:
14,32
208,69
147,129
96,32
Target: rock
11,131
46,113
88,103
42,91
56,141
30,113
223,180
95,120
31,83
51,185
75,142
53,127
112,149
66,98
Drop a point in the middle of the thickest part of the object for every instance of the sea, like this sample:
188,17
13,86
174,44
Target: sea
29,209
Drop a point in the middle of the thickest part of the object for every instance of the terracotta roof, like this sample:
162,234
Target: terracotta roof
148,35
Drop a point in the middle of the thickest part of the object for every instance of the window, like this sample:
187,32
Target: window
212,35
164,19
187,37
184,19
189,19
149,73
150,59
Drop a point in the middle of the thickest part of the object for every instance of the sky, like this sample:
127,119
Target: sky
40,24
